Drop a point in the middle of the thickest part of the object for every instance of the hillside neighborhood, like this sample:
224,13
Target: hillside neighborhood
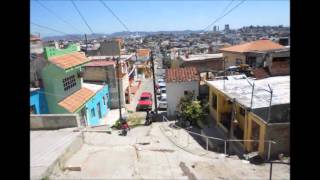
194,105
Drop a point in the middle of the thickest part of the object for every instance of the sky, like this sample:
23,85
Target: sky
154,15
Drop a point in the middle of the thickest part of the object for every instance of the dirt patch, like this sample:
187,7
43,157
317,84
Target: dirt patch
135,120
186,171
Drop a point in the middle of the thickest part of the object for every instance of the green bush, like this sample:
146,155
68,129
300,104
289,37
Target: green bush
117,124
191,109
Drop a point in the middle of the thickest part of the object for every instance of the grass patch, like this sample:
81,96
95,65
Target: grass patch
129,111
135,121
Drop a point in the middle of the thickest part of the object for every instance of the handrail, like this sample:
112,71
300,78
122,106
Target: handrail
215,138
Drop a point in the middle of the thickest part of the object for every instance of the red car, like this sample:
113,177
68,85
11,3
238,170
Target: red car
145,102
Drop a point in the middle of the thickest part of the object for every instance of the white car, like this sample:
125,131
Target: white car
163,92
160,81
161,86
163,102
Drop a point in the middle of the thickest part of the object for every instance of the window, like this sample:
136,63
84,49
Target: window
93,113
185,92
33,109
251,61
214,101
242,111
69,82
104,100
238,61
144,98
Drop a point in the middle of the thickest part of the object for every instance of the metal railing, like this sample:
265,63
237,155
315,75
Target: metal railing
270,142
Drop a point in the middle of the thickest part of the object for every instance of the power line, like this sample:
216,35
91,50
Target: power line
219,18
54,30
84,20
224,10
56,15
49,28
107,7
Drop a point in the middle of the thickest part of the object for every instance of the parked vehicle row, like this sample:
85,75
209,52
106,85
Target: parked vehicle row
162,92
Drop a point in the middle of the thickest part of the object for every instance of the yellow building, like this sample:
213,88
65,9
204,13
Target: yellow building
231,99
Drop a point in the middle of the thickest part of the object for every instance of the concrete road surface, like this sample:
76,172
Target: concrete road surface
149,153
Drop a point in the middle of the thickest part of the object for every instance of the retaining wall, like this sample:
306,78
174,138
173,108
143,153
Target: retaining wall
53,121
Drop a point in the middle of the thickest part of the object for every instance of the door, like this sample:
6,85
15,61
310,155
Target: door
83,119
255,135
99,110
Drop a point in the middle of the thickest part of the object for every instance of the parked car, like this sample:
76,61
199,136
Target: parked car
160,80
161,86
145,102
163,92
163,102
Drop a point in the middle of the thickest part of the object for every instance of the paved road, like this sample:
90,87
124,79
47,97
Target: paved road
149,153
146,86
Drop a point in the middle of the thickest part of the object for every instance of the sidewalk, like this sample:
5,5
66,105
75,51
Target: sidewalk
112,117
134,97
49,149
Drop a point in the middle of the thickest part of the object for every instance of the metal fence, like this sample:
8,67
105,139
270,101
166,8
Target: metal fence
225,141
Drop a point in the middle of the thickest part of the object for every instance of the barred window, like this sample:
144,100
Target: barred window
69,82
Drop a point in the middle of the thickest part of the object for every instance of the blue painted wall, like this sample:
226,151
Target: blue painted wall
38,99
92,104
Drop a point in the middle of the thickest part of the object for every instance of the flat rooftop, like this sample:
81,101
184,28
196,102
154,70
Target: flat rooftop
122,57
93,87
199,57
241,90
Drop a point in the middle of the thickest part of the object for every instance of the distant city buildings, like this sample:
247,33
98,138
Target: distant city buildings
226,28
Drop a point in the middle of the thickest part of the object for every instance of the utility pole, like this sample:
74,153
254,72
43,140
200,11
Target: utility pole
85,36
233,116
118,79
154,84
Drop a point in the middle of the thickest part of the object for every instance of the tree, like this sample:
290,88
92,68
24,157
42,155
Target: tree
190,109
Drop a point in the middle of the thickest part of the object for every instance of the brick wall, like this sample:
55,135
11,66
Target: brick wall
279,132
207,65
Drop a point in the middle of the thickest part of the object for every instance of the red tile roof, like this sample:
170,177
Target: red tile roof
182,74
97,63
69,60
259,45
76,100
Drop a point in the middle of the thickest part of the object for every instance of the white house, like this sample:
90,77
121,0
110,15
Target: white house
179,82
